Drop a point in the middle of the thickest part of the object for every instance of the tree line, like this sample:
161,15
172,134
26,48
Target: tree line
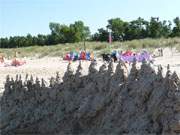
138,29
77,32
59,34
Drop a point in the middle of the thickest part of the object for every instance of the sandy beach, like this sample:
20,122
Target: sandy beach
48,66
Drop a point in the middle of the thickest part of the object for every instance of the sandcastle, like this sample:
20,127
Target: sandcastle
102,102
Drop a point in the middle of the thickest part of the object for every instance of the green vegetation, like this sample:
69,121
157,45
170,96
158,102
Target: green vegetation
96,47
59,34
139,29
78,32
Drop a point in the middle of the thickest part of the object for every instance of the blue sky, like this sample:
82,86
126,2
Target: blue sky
19,17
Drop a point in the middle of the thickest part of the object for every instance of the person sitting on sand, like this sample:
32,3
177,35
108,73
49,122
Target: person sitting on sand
1,59
16,62
92,56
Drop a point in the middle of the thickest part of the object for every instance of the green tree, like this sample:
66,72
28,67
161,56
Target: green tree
103,35
12,43
79,32
117,26
65,34
55,32
41,39
34,40
54,27
166,28
4,43
74,33
29,40
155,28
136,29
176,29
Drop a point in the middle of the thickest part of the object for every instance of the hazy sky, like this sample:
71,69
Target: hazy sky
19,17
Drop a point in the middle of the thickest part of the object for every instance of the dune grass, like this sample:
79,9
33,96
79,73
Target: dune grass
96,47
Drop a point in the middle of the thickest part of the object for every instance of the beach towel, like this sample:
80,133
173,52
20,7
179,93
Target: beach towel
76,56
129,56
127,53
83,56
67,57
88,56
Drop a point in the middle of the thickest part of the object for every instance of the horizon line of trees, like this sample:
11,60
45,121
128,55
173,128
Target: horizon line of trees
78,32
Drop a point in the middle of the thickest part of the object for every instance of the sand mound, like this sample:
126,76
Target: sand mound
102,102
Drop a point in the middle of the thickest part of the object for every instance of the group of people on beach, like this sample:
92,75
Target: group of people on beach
160,50
82,55
14,62
125,56
128,56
